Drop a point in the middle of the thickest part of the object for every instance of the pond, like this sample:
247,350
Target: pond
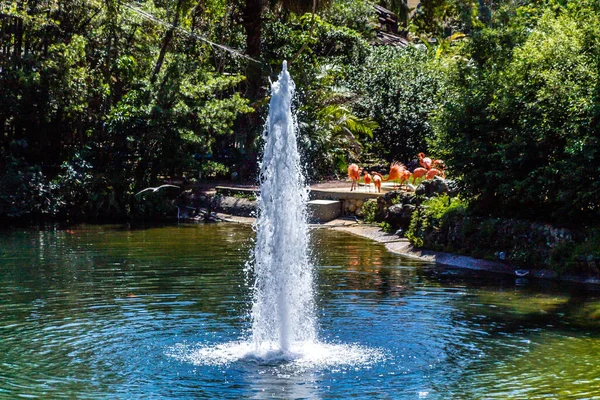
116,312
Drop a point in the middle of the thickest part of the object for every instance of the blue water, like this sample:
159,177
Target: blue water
116,312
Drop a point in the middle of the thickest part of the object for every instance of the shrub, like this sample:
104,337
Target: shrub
517,122
215,170
386,227
25,191
445,224
398,89
432,223
74,187
370,210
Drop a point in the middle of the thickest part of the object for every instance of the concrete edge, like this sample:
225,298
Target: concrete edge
403,247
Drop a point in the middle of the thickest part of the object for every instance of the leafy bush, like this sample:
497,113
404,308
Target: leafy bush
517,123
444,224
74,187
440,18
397,88
435,215
355,14
215,170
25,191
370,210
386,227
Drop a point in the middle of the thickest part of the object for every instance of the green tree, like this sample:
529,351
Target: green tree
111,90
442,18
358,15
253,20
397,88
522,130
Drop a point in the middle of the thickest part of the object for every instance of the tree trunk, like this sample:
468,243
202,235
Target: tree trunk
166,42
249,123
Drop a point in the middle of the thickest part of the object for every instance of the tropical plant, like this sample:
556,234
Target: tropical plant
331,132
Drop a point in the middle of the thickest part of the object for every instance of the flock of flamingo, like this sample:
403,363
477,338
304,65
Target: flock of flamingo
398,173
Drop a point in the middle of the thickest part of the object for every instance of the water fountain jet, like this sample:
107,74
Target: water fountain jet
283,311
283,329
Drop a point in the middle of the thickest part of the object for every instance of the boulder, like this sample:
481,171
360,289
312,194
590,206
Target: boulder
399,215
395,197
236,206
452,188
434,187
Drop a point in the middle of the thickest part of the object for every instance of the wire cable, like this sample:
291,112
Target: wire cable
223,47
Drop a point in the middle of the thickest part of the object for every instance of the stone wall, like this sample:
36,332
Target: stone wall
352,202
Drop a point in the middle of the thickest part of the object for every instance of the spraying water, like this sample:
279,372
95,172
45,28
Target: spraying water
283,316
283,311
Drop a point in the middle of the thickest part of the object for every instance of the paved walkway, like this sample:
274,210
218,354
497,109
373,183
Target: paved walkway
340,186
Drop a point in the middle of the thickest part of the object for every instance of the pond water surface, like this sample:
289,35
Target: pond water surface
115,312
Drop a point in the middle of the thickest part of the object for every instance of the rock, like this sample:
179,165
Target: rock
435,187
398,215
452,188
235,206
409,208
395,197
351,207
394,214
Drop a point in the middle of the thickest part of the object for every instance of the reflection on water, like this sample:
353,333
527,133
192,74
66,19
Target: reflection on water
563,366
93,312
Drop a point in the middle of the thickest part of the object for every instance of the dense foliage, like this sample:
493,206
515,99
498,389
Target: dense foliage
100,99
97,115
520,124
447,224
398,89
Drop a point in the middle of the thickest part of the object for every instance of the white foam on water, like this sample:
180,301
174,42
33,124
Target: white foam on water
301,355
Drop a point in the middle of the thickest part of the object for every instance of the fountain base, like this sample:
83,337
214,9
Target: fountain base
301,354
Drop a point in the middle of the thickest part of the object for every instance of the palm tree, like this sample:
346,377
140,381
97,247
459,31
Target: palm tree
339,127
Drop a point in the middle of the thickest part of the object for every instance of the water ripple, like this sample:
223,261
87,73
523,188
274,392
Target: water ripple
117,313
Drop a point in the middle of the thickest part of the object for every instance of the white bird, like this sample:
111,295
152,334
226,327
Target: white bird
156,189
